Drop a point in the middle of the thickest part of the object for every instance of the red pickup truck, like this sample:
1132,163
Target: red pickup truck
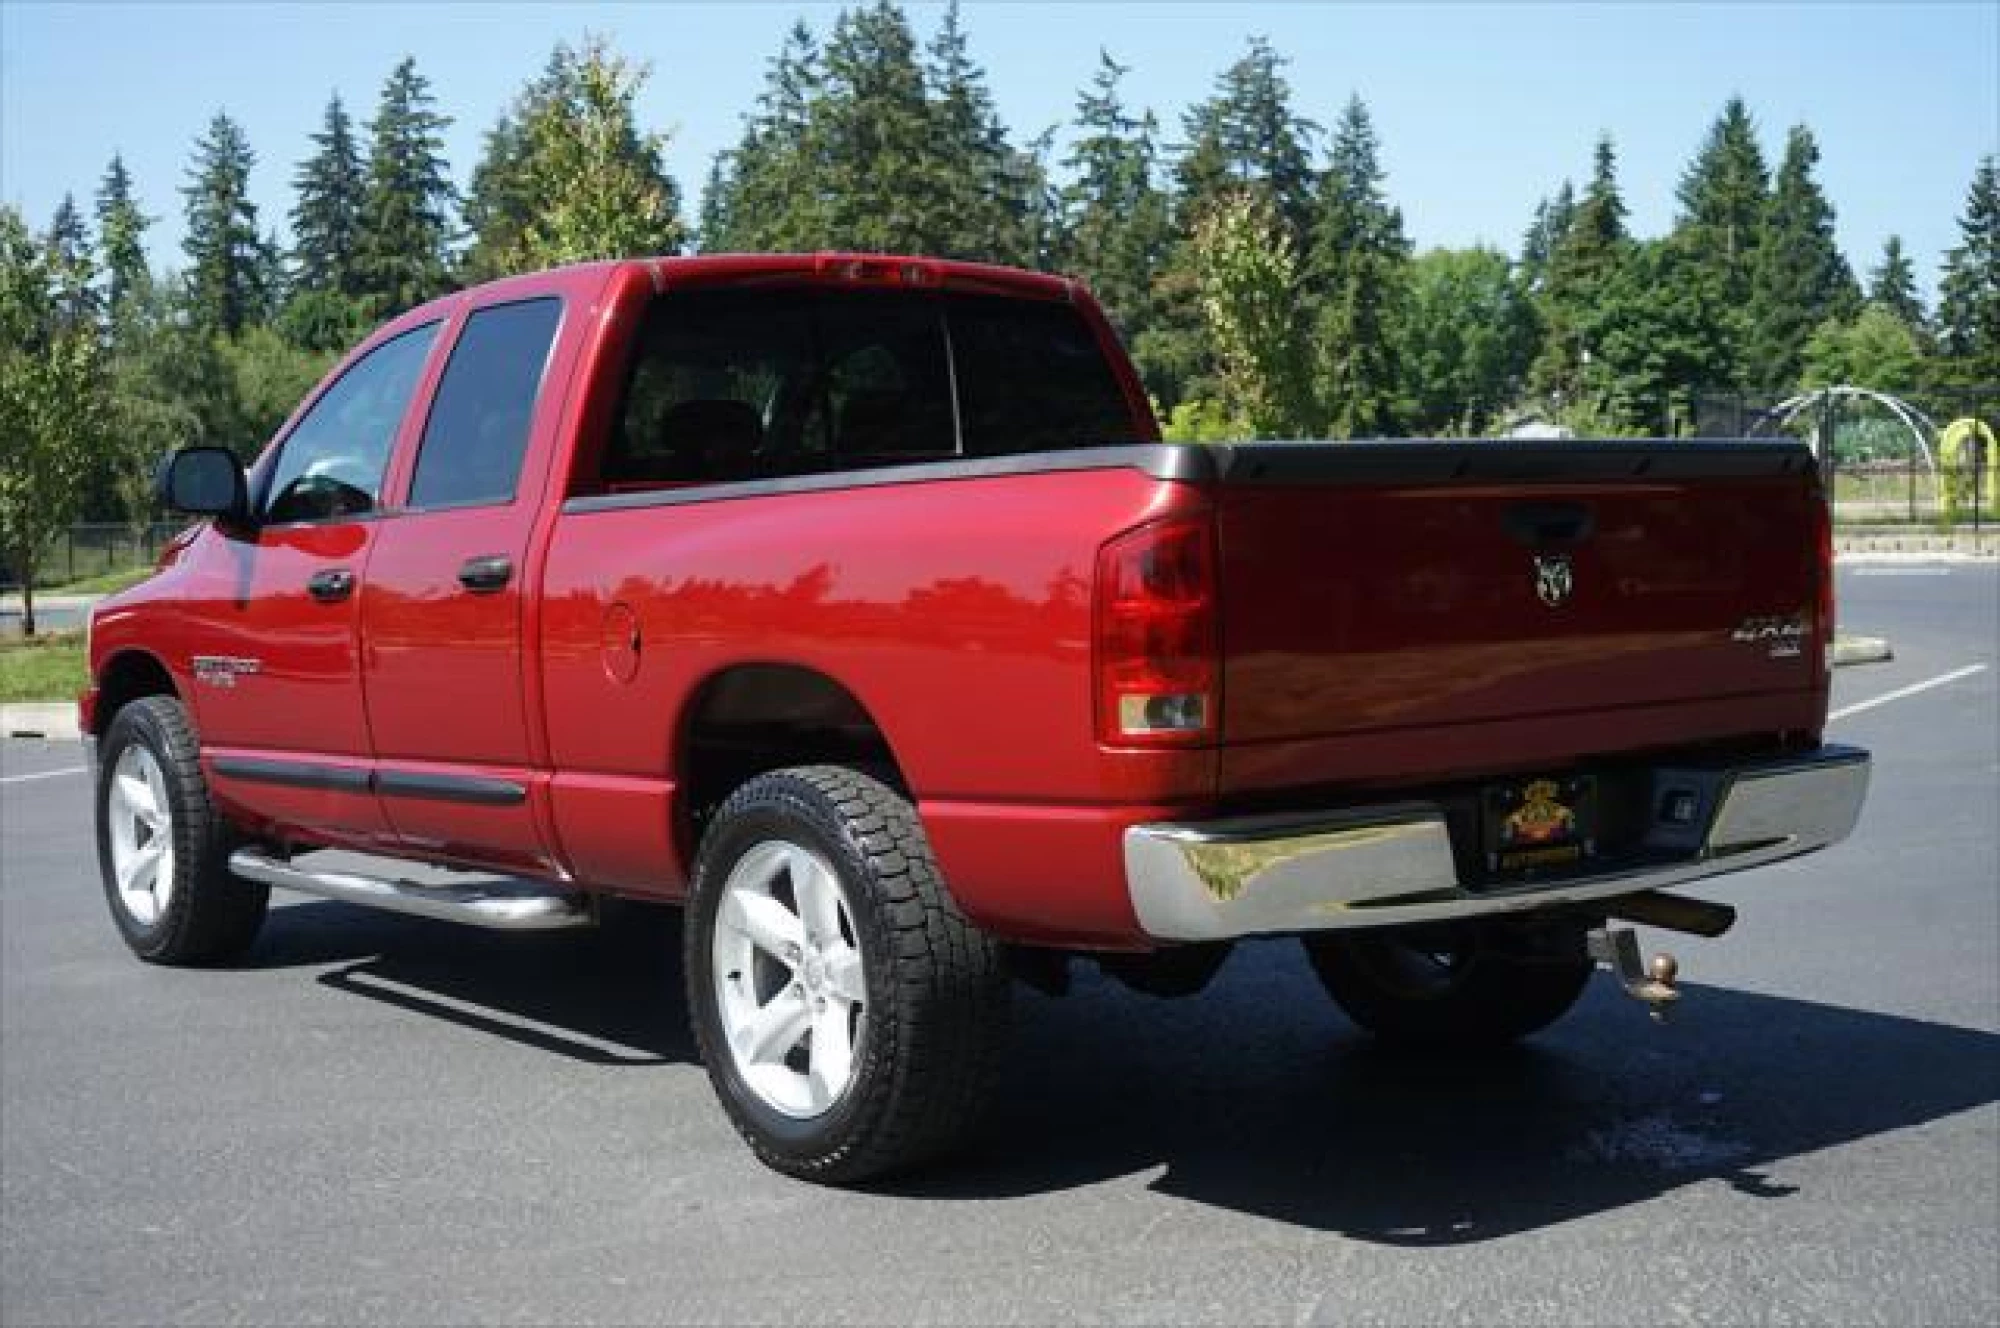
854,602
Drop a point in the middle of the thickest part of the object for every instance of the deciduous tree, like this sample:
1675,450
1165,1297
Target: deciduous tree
1465,337
1249,282
600,181
51,405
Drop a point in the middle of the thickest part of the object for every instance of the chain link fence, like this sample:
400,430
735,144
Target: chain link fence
87,551
1915,456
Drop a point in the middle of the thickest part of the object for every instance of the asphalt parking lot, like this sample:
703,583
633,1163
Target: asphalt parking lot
382,1119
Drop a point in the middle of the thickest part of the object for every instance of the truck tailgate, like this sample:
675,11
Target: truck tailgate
1376,587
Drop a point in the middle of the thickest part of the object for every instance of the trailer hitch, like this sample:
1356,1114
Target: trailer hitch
1617,948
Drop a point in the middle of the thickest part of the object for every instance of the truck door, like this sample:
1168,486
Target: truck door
277,680
444,606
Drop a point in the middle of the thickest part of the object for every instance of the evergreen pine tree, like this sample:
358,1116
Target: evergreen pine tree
402,250
1724,195
1893,285
1798,278
497,204
1357,270
72,267
1969,296
764,193
1116,228
121,231
870,137
1580,266
981,188
1246,134
326,220
228,265
1553,217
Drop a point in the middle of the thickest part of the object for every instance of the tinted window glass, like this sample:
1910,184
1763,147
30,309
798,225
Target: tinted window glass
1032,378
749,384
331,465
739,384
485,403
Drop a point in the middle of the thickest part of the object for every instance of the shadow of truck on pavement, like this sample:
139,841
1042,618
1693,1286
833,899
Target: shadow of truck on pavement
1257,1096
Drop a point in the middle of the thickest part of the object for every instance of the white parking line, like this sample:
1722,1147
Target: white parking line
45,774
1911,690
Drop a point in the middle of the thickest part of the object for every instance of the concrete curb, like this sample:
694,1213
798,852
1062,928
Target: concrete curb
1861,650
51,720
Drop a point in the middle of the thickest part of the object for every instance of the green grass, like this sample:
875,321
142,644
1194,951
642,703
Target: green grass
106,583
49,667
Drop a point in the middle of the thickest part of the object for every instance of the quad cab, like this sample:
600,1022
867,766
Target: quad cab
855,604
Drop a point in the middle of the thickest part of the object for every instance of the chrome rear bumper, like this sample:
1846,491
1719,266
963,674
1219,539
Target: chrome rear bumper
1392,865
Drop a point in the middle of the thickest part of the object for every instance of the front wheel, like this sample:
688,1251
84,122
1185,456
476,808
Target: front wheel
850,1017
1466,986
163,849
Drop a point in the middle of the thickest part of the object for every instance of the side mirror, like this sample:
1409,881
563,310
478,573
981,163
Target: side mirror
206,481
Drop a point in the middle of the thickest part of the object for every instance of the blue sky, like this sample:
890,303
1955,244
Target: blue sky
1482,108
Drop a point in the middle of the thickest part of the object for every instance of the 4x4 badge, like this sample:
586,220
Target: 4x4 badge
1553,579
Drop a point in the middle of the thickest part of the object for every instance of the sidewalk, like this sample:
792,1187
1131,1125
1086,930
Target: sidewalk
11,606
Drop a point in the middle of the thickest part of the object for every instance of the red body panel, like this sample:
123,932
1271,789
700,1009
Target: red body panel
1376,632
1370,636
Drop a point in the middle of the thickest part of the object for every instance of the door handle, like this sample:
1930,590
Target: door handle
483,576
331,586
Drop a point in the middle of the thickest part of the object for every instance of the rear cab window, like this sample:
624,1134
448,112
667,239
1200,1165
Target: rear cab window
757,383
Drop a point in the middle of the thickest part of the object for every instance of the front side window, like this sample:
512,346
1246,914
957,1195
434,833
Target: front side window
478,428
332,464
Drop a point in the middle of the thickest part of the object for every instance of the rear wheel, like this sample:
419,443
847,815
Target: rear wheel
1460,986
162,849
849,1016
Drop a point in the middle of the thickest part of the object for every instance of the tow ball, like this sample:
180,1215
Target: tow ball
1617,948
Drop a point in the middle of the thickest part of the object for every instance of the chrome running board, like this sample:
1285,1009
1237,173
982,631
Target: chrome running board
492,902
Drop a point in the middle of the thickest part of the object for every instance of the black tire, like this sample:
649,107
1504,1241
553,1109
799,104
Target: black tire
210,916
1465,987
929,1036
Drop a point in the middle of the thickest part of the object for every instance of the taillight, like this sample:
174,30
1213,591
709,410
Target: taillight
1822,516
1158,671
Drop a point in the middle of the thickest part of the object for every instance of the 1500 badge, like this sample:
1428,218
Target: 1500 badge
224,670
1785,634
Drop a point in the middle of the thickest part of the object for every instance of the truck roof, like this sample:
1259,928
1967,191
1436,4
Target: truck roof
833,267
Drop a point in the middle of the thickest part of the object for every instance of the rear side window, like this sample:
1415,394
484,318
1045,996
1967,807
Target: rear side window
756,383
1032,378
485,404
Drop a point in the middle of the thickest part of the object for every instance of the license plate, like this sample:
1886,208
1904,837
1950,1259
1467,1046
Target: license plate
1541,824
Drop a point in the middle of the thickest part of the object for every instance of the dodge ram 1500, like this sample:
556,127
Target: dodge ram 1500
854,603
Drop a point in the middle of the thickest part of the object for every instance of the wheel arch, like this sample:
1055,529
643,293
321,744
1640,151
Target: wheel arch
128,675
747,719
